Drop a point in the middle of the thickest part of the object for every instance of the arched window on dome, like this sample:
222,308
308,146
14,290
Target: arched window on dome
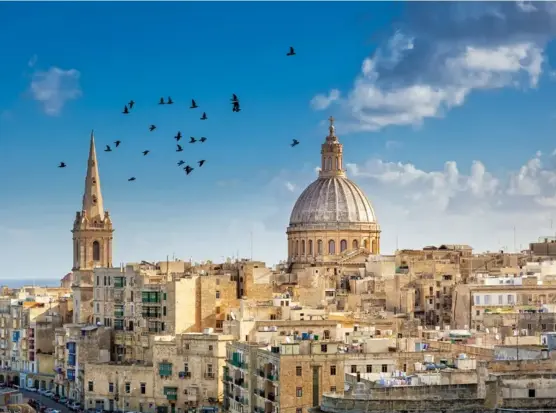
303,247
328,164
343,245
366,244
310,247
331,247
319,247
354,244
373,246
296,247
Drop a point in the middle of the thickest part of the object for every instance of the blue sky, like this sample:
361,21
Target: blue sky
446,112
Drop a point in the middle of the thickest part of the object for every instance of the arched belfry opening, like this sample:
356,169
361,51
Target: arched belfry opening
96,251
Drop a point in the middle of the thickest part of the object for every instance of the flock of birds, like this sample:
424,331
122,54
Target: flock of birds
179,148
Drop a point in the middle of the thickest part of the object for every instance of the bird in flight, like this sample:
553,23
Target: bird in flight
192,140
295,142
108,149
117,143
170,101
291,52
203,139
180,163
234,98
236,107
204,117
179,149
131,179
126,110
131,104
201,162
188,169
161,102
178,136
62,165
193,104
152,127
145,153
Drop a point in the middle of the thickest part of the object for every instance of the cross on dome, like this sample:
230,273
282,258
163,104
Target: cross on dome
331,128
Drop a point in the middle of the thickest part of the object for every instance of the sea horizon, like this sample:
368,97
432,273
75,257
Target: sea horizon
38,282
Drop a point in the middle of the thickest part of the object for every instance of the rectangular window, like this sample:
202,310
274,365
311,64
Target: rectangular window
333,389
369,368
385,368
110,387
91,386
217,295
500,299
477,300
298,371
323,348
128,387
143,388
354,368
165,369
299,391
332,370
487,299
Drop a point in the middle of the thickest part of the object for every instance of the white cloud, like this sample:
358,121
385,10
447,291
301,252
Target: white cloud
448,52
392,145
321,102
54,88
454,204
290,187
32,61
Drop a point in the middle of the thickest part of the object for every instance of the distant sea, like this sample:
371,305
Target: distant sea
39,282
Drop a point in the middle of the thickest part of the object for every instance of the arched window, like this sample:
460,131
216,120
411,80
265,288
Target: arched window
328,164
96,251
373,246
336,163
303,247
354,244
366,244
331,247
310,247
319,247
296,247
343,245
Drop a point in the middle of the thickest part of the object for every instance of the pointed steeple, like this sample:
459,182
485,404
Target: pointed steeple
331,154
93,206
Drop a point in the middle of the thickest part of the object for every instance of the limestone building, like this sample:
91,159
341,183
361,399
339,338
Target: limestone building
332,217
92,240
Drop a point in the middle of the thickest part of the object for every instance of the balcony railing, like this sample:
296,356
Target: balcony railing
209,376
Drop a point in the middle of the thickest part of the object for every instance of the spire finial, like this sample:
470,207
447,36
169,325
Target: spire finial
92,198
331,128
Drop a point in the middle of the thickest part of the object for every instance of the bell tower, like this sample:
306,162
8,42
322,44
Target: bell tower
92,228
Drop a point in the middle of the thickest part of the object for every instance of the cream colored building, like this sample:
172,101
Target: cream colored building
74,346
474,303
27,322
289,377
332,218
186,372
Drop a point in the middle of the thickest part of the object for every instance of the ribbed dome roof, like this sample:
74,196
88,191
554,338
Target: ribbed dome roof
332,200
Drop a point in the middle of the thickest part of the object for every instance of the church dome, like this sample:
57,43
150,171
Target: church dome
332,200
